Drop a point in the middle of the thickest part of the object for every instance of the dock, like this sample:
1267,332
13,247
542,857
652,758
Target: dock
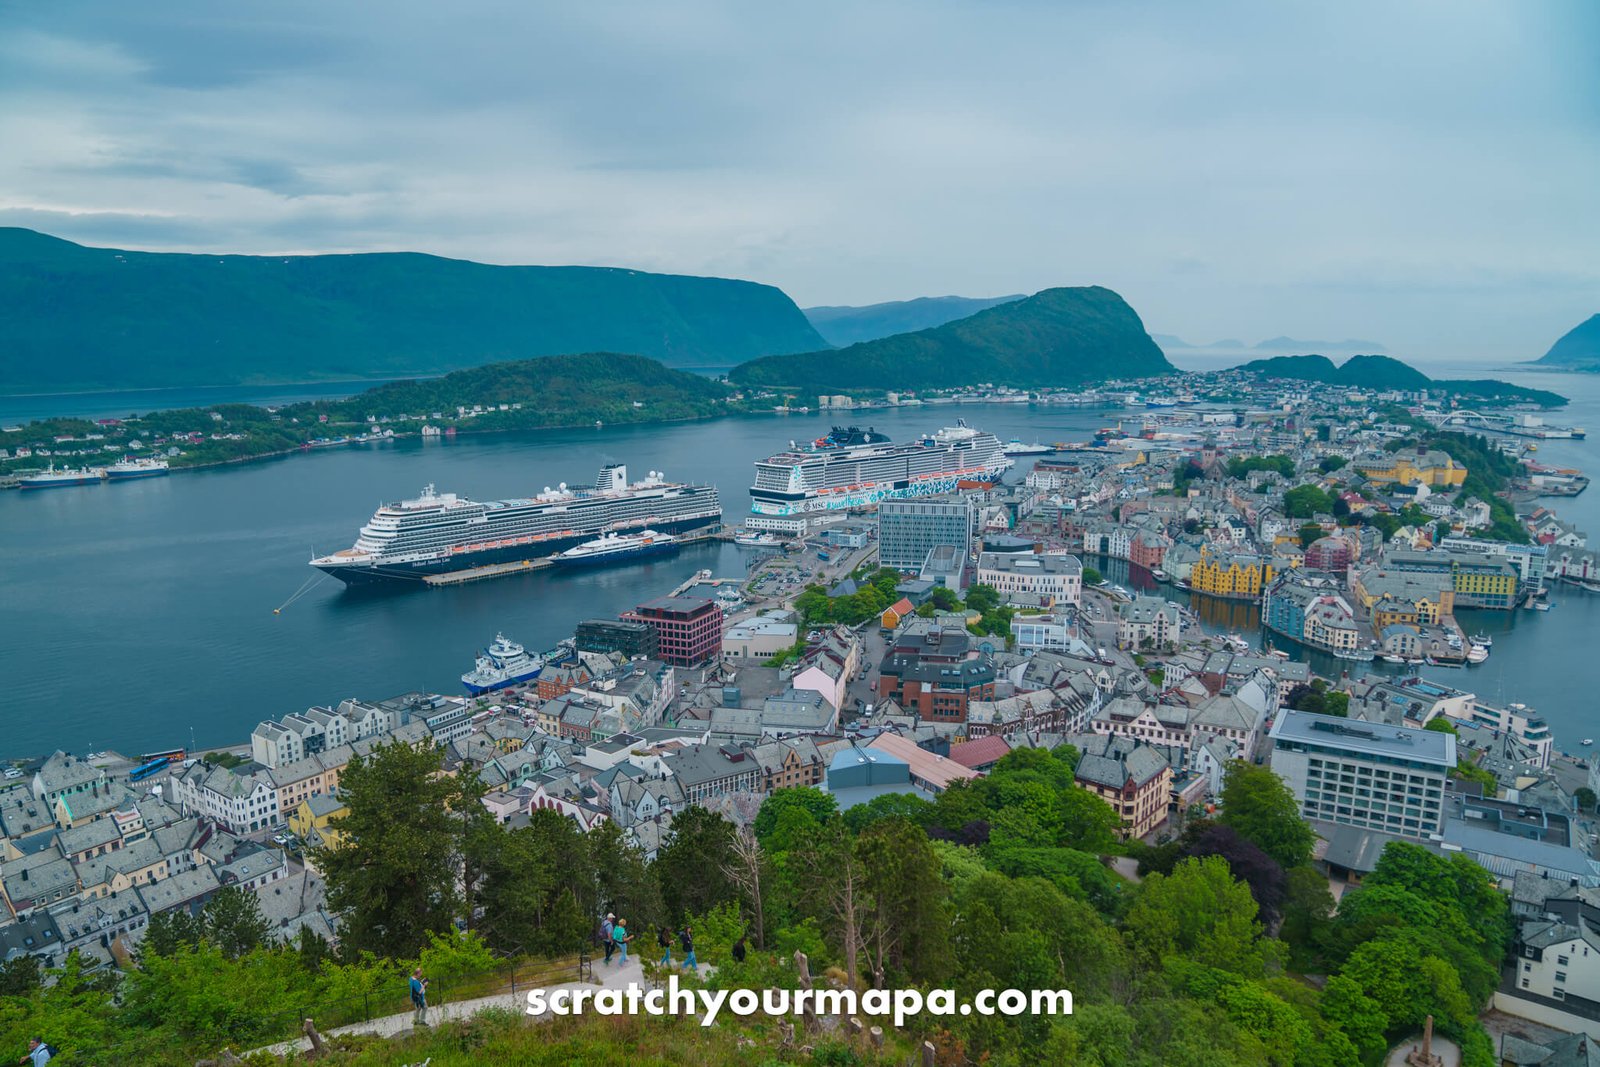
525,566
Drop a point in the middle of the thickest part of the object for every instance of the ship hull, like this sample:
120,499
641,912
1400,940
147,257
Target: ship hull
415,571
476,690
128,476
61,483
602,559
768,502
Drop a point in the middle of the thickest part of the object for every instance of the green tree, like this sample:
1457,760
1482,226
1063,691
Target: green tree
808,800
1091,576
624,882
906,806
943,598
20,976
693,862
1310,533
1329,464
1305,501
539,891
394,879
170,931
1585,798
1200,912
1307,908
233,922
907,927
1257,803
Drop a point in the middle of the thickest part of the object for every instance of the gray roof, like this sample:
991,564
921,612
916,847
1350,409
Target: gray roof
1366,739
1117,760
185,887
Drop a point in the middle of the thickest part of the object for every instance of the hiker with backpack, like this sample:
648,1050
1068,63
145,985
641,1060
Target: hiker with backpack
419,998
39,1053
606,930
686,939
664,939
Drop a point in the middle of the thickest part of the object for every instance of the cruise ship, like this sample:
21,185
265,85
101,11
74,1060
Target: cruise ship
440,532
615,547
127,468
503,663
851,467
56,479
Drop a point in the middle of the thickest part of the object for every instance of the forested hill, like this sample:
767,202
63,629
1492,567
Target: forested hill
1384,372
1055,337
849,325
77,318
1578,348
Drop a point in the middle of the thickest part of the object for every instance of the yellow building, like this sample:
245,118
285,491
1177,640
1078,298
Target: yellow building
1229,574
1391,597
1429,467
315,821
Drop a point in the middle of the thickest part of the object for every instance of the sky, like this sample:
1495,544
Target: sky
1425,175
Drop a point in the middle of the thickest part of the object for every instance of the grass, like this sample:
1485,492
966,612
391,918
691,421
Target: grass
499,1036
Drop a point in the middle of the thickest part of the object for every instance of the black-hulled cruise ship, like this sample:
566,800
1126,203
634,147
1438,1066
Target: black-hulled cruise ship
853,468
440,532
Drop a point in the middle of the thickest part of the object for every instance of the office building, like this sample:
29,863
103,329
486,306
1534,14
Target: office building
909,529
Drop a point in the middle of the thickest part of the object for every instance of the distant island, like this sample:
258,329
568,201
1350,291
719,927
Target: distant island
1385,372
841,326
1578,349
74,318
547,392
1056,337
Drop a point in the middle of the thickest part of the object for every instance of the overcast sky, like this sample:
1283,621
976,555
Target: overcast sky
1422,174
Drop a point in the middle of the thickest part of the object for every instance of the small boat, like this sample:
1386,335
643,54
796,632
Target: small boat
1542,606
1389,658
1015,447
1482,639
611,547
1158,574
1477,654
1588,740
753,538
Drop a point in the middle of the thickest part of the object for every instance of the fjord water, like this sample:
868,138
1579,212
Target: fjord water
131,614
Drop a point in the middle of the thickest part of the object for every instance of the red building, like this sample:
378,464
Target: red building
1148,548
688,629
1329,554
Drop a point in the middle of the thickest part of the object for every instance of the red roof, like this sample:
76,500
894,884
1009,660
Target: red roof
980,753
901,607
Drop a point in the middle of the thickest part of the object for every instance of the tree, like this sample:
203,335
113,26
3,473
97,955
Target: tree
1246,862
1307,908
20,976
807,800
1305,501
394,878
1440,724
906,928
539,892
1329,464
1091,576
943,598
692,863
1585,798
906,806
746,868
1257,803
1087,822
624,882
1310,533
170,931
234,923
1201,912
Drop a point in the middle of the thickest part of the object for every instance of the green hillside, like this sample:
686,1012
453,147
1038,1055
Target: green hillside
1578,349
1385,372
76,318
850,325
1055,337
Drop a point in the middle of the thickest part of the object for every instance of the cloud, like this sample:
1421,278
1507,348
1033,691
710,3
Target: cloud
1362,169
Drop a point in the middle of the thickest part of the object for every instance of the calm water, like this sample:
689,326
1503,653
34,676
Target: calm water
121,403
133,613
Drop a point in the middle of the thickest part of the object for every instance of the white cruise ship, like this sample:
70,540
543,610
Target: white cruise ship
439,532
851,467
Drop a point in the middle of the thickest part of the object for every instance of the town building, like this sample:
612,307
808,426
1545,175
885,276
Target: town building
758,639
1234,575
631,638
1135,778
1421,465
1148,622
688,629
909,529
1385,778
1030,579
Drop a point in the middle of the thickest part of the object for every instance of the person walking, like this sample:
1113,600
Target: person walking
419,998
621,936
39,1053
738,950
664,939
606,929
686,939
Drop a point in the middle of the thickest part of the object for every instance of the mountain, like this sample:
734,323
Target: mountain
1055,337
1578,349
74,318
849,325
1384,372
1289,344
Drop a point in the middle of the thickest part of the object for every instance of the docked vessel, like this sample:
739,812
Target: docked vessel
614,547
503,663
57,479
440,532
1015,447
753,538
127,469
851,467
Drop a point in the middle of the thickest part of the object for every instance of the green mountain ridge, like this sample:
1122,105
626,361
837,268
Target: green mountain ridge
1386,372
1578,348
74,317
850,325
1065,336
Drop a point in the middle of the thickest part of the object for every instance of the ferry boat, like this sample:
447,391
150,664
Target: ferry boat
440,532
503,663
57,479
851,468
753,538
127,469
1015,447
615,547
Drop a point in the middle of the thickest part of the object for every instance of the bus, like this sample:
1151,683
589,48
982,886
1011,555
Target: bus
145,770
174,755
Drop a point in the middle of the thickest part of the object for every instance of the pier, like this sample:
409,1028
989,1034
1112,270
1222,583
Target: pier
526,566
